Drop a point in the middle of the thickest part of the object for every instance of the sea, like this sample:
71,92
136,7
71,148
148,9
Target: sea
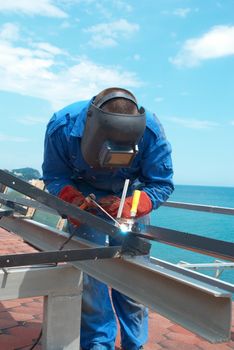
211,225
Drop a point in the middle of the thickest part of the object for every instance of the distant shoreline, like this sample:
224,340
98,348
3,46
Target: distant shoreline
220,186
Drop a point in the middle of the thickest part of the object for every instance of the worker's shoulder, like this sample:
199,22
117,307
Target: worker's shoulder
66,116
154,124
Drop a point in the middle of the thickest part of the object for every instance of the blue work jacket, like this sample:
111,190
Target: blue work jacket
151,170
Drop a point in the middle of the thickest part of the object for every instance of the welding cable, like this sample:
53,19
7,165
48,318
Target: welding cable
36,341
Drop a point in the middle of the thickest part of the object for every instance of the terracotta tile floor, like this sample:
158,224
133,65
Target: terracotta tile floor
20,320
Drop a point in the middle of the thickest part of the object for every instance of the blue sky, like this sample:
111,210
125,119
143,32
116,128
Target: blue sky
177,56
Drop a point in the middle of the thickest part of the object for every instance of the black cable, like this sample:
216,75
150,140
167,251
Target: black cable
37,341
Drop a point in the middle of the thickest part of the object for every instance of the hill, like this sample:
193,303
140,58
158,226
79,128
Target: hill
26,173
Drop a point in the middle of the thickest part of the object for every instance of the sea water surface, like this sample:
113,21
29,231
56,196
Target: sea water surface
217,226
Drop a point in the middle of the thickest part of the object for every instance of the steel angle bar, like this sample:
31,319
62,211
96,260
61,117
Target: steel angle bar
209,266
17,203
184,299
6,212
4,200
189,241
200,207
59,256
199,276
63,208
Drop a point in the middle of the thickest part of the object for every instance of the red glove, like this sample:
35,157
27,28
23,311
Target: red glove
111,205
71,195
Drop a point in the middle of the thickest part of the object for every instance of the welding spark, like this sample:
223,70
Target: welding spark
124,228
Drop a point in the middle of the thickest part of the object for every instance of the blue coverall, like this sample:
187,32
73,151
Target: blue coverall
151,171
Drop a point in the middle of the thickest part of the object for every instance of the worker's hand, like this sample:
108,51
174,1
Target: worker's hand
72,195
111,205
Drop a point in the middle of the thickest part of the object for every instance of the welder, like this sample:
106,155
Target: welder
93,147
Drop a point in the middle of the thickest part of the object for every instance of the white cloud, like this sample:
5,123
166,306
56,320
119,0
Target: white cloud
32,7
67,24
122,5
9,31
159,99
108,34
28,120
136,57
217,42
9,138
44,49
101,8
182,12
45,71
193,123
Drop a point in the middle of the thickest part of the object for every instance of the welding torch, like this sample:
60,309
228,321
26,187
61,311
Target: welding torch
125,224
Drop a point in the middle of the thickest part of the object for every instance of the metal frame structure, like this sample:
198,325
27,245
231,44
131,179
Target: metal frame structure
197,302
217,266
61,287
213,247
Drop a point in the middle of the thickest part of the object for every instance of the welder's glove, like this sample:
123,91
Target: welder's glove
111,205
71,195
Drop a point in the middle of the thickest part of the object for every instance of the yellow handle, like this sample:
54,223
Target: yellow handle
135,202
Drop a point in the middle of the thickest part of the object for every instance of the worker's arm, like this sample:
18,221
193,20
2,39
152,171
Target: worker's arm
156,167
57,171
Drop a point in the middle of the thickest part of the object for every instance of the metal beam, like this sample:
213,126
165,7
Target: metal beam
199,276
189,241
62,207
57,256
37,281
61,322
61,287
17,203
200,207
6,212
207,266
184,299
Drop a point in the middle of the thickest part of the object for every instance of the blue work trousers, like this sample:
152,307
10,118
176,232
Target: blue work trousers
101,306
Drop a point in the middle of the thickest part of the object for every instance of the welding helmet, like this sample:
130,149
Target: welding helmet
110,140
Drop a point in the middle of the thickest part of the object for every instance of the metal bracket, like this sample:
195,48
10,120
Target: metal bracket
19,204
6,212
59,256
